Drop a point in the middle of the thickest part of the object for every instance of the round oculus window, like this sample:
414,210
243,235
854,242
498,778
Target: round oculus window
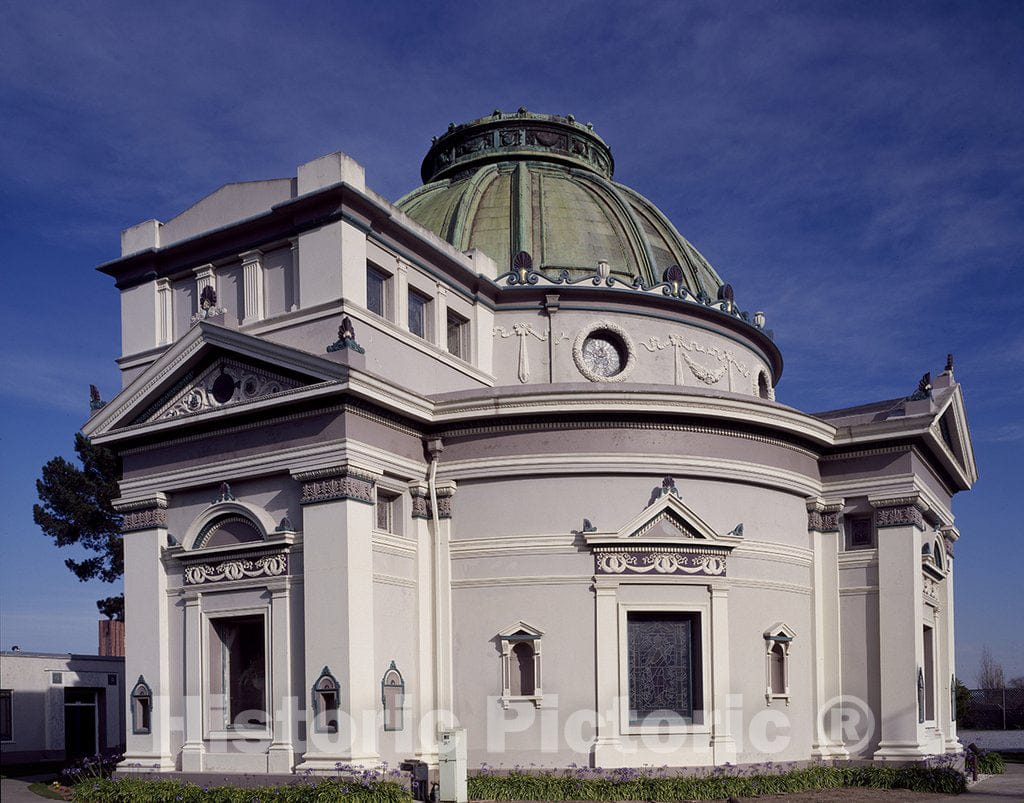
604,353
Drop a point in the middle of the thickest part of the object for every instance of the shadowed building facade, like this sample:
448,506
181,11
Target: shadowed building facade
505,454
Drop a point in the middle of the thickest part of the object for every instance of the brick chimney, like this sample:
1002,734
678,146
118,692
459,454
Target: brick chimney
111,637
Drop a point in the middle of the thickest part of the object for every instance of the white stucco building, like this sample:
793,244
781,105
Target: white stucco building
507,450
59,707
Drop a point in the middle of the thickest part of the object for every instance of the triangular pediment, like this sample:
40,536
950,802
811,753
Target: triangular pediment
667,521
950,438
211,371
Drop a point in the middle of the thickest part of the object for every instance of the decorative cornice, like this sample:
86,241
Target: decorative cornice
899,511
275,565
335,482
142,514
823,516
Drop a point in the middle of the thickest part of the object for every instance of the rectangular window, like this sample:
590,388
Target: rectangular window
458,335
377,291
419,309
385,510
6,716
860,532
929,673
664,667
239,673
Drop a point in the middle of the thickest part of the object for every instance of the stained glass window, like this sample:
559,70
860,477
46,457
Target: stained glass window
663,654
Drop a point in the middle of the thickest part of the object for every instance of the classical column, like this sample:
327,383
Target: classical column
281,754
337,519
253,286
294,273
899,523
144,524
435,670
402,295
441,317
823,529
723,745
164,312
205,277
193,748
608,705
949,727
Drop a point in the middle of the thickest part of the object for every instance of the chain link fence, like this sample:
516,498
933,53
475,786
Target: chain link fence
994,709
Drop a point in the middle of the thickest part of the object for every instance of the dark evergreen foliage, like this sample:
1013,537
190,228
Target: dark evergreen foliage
76,509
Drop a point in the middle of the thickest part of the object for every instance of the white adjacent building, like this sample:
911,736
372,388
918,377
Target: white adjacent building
505,454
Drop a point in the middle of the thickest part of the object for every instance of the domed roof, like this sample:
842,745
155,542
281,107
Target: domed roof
543,184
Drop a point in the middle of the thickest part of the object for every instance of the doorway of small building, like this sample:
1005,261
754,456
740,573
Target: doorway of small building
81,723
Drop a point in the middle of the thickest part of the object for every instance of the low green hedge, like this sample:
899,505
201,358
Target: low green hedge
991,763
328,790
644,784
580,783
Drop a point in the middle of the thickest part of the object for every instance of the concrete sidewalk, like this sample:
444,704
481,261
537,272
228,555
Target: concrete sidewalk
15,790
1005,788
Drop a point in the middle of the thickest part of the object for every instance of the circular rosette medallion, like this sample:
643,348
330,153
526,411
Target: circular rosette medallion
603,352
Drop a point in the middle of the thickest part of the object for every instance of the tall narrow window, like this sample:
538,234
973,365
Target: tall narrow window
326,702
458,335
385,511
520,664
777,640
664,666
142,707
523,680
929,673
377,291
762,385
239,671
392,697
6,716
419,306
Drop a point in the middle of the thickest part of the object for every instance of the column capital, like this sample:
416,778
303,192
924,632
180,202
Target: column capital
899,511
203,272
142,513
420,493
950,535
336,482
248,257
823,514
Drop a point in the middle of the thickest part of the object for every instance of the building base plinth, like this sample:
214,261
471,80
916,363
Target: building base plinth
280,759
147,763
900,751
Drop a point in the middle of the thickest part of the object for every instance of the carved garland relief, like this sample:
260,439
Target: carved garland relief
737,376
662,562
237,569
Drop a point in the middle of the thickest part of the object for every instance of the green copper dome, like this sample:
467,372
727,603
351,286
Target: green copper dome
543,184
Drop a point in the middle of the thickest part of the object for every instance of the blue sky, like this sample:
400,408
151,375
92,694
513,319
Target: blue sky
855,169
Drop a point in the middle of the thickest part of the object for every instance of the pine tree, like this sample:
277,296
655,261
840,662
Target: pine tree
77,509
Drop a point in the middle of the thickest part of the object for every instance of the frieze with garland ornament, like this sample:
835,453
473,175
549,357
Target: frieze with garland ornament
659,562
237,569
